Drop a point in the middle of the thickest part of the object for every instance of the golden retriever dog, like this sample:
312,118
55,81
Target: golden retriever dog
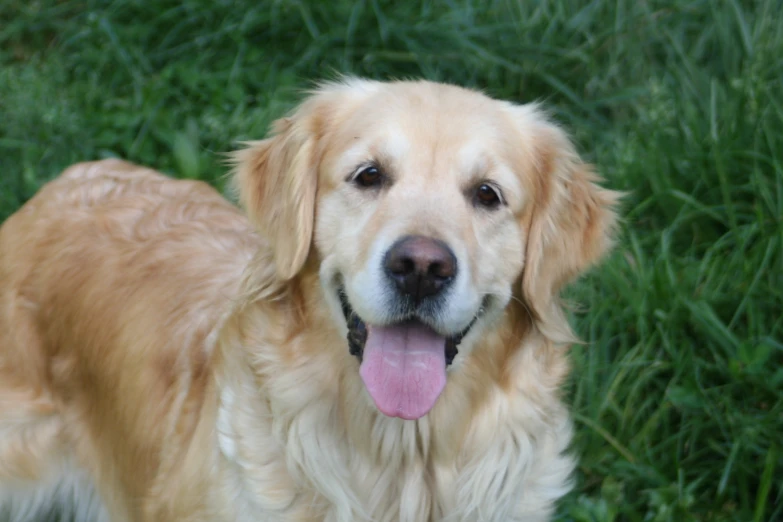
381,340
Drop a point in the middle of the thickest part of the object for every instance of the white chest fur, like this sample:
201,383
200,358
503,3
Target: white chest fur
317,463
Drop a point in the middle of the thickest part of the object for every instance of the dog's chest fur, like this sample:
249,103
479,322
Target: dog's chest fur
318,463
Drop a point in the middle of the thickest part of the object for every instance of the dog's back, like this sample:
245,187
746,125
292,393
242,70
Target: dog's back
102,238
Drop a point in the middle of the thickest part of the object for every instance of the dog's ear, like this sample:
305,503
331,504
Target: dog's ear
277,178
571,225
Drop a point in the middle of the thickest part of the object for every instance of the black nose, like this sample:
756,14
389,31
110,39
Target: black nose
420,266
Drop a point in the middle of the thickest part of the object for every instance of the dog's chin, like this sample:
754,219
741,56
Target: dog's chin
403,363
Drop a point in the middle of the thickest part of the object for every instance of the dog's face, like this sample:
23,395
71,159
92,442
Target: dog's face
429,208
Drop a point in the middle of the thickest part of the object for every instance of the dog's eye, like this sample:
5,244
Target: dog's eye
487,196
369,177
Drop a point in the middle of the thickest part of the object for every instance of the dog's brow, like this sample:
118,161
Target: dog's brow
478,169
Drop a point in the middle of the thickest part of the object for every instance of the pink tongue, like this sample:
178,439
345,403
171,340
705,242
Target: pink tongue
404,368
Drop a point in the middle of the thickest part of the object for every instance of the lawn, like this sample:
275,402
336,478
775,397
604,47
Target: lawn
678,391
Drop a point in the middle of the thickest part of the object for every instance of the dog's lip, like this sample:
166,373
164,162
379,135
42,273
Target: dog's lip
357,329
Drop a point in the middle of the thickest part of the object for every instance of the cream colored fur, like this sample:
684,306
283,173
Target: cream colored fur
195,366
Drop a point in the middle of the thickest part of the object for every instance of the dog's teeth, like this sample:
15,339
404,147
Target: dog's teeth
451,350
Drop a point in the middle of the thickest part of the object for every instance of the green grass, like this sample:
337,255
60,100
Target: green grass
678,393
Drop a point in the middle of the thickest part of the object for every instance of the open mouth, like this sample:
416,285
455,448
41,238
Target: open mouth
357,331
403,365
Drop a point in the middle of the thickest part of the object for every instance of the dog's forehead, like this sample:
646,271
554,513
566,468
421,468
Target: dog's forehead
430,116
421,131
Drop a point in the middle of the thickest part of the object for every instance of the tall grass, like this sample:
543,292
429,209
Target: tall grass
678,393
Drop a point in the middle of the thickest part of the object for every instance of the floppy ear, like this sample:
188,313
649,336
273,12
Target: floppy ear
277,181
571,227
277,178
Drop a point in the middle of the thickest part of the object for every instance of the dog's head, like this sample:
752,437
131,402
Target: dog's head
428,208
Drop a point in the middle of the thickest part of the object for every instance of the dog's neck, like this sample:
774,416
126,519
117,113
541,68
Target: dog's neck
285,364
